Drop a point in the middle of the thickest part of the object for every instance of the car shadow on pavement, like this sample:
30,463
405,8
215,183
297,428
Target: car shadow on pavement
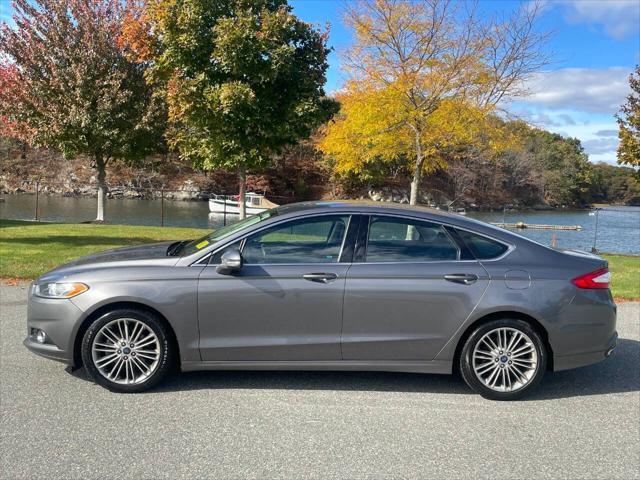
618,374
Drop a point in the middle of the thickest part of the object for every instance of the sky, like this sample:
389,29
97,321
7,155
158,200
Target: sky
595,46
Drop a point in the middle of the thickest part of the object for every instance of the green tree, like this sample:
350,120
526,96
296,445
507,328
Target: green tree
243,79
72,86
566,171
629,124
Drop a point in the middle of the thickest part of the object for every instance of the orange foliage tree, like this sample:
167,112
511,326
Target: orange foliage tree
425,76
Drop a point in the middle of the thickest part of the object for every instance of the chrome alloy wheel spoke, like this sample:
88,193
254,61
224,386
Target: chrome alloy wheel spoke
126,351
505,359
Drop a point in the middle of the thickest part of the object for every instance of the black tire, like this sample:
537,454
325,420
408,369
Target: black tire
476,384
165,361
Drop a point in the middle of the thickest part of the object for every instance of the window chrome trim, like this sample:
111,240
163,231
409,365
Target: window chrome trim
510,246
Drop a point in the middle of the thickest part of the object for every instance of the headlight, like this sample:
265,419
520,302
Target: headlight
59,290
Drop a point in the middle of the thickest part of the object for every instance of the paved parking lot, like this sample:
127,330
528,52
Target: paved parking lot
579,424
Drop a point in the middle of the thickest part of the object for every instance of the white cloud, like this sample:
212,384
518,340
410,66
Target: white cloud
586,89
606,133
619,18
597,146
578,102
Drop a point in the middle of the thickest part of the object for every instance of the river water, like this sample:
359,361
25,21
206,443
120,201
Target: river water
618,227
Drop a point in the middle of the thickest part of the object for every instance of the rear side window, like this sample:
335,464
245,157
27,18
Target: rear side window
405,240
482,248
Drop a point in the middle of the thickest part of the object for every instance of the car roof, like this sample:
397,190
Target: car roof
369,207
372,207
364,206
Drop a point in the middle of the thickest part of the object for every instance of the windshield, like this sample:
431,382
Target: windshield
223,232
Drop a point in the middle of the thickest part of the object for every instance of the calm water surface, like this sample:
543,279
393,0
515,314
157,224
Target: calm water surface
618,227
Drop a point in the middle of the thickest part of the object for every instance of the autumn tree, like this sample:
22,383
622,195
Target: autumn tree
10,128
629,124
423,76
242,79
72,87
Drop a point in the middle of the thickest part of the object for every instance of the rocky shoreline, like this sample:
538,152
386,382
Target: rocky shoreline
193,194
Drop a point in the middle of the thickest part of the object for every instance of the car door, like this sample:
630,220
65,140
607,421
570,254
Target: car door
408,290
285,303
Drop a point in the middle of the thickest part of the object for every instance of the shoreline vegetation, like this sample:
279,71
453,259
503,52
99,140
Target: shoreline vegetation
29,249
200,196
302,172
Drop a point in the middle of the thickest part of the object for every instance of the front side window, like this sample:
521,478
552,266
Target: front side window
310,240
406,240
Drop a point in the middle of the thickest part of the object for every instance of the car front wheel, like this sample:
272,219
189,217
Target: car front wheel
127,350
503,359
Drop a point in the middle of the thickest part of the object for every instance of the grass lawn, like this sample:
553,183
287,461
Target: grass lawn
625,271
28,249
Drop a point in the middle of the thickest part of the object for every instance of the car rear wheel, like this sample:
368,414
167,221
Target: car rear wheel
127,350
503,359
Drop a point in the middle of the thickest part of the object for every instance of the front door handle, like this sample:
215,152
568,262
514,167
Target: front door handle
463,278
320,277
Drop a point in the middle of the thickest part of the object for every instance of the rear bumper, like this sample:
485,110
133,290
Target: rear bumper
566,362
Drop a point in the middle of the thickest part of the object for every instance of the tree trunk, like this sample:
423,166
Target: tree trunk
242,188
417,171
102,187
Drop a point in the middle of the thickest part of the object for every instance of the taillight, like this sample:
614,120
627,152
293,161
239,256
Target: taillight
599,279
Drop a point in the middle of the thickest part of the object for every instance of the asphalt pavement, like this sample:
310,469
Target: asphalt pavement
583,423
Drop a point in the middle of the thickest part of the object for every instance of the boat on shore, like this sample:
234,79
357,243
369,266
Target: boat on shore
254,203
459,211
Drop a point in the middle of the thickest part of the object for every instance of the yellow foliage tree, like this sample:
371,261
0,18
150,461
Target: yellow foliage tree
425,78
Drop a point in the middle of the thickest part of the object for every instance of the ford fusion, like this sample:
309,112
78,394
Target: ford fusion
330,286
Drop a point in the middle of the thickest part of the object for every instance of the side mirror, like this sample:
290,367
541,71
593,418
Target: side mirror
230,262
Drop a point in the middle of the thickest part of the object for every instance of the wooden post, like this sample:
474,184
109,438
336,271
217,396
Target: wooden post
162,207
595,236
37,198
224,214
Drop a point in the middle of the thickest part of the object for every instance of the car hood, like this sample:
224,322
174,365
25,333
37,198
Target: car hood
140,252
154,253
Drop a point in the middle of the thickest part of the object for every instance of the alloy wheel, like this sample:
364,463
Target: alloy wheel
505,359
126,351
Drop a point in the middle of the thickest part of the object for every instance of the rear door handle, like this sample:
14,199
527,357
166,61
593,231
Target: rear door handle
320,277
463,278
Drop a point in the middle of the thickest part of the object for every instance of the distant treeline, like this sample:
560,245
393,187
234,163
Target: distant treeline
544,169
549,171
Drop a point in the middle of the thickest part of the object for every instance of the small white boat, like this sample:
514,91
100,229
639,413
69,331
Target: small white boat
459,211
254,203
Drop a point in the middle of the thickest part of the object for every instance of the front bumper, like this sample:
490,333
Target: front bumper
566,362
48,351
59,319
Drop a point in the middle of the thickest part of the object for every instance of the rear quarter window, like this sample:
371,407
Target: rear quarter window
483,248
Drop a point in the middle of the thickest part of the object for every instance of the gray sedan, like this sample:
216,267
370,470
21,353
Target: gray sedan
331,286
